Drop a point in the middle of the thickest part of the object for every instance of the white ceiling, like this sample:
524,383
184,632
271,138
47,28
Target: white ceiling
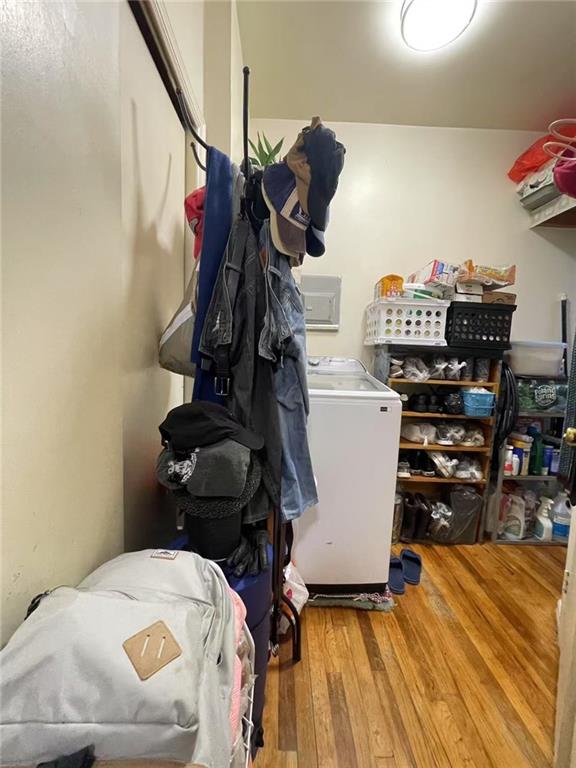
344,60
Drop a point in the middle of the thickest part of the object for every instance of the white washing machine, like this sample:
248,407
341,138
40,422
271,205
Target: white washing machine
354,432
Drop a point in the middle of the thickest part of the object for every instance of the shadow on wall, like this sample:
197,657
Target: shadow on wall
153,280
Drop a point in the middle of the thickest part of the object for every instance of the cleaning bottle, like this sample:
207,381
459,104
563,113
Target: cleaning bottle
537,452
542,522
561,517
508,462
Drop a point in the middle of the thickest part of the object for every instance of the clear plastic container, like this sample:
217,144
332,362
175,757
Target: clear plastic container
536,358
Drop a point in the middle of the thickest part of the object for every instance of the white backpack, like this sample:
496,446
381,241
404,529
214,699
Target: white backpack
138,660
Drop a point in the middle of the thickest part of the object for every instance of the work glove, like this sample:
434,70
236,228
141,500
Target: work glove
251,555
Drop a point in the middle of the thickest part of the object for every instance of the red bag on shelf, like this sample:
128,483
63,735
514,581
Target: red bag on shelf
535,156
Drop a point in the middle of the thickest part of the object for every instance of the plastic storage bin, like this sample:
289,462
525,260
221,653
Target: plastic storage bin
478,403
536,358
406,321
479,325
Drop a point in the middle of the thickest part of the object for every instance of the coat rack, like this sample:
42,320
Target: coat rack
281,532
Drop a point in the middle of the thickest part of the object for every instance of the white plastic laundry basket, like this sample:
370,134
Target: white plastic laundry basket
406,321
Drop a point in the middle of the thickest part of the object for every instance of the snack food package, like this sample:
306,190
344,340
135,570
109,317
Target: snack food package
489,276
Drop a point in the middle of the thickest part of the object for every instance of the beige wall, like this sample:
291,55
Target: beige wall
153,189
61,297
93,176
408,195
223,64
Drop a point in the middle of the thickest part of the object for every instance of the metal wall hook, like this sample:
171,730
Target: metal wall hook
197,157
187,120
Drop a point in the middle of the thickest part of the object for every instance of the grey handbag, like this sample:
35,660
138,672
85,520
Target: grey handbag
175,347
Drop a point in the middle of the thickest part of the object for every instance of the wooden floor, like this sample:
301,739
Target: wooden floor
461,673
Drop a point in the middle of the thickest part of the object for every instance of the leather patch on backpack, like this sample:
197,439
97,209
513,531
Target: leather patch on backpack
152,649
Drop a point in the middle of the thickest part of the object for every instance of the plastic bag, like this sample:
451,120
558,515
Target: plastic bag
490,276
535,156
437,367
473,437
296,591
416,369
453,369
448,523
482,369
445,464
398,517
417,432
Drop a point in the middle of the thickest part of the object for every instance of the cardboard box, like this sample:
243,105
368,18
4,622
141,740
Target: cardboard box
499,297
471,297
472,288
435,273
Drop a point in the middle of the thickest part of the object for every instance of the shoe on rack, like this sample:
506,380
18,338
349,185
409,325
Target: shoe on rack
463,470
456,432
423,516
426,465
415,463
435,404
419,403
474,437
410,516
404,469
454,403
444,434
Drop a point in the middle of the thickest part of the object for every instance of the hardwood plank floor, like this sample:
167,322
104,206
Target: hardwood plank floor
462,674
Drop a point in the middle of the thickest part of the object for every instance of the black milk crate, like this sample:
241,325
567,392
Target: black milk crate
479,325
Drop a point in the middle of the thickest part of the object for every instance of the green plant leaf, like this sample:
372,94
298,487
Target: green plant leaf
264,153
268,145
277,148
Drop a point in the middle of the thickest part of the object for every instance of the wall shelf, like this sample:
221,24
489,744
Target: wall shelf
407,446
451,480
560,212
531,478
443,383
447,416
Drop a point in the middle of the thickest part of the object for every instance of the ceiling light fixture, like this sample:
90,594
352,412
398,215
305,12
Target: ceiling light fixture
427,25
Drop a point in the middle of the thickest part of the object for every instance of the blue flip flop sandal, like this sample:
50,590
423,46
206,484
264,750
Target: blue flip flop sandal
396,576
411,566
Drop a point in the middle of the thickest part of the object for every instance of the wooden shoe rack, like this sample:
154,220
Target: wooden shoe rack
436,486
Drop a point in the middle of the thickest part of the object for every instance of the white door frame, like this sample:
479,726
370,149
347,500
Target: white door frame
565,736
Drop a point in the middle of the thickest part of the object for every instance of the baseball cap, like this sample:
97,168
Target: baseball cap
297,161
315,241
325,157
201,423
288,220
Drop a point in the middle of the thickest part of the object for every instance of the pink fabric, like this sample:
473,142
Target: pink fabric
565,173
239,618
194,207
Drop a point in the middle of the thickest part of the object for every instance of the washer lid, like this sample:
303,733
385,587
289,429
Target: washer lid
341,374
343,382
334,365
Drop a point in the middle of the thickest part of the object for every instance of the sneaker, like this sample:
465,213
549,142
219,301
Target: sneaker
404,470
473,438
454,403
463,470
444,434
415,460
419,403
435,405
426,465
